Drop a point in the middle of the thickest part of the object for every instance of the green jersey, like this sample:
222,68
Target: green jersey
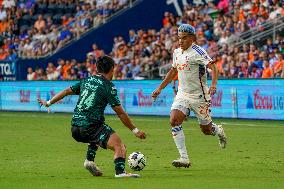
95,93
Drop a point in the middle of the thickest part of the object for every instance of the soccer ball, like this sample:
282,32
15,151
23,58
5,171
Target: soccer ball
136,161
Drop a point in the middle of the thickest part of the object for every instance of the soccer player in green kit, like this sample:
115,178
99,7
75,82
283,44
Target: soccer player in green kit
88,122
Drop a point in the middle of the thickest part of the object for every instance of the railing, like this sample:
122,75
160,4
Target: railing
150,74
257,33
163,70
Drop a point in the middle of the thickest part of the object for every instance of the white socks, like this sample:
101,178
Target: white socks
179,139
215,129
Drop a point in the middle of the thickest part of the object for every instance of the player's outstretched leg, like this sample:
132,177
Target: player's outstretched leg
89,163
214,129
114,143
179,138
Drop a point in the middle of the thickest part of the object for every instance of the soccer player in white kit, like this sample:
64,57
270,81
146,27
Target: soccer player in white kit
190,62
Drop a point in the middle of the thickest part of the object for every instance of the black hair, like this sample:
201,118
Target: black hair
104,64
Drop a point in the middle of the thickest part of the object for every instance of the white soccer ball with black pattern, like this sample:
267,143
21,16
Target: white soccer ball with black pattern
137,161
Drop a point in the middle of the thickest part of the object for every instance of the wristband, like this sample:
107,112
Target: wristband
48,103
135,131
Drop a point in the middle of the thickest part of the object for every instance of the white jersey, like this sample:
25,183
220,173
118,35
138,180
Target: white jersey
191,67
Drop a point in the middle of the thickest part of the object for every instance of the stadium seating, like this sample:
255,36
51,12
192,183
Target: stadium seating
46,26
32,25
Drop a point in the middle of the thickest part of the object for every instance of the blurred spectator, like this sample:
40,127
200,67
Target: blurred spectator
267,71
96,52
51,72
244,70
40,74
255,72
278,65
132,37
3,13
127,73
31,74
64,36
40,23
7,4
12,55
3,54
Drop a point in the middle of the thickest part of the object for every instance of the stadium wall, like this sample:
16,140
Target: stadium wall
250,99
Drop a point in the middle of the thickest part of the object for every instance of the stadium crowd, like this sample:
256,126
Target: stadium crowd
148,50
34,28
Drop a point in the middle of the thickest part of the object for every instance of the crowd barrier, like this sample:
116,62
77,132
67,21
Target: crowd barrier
248,98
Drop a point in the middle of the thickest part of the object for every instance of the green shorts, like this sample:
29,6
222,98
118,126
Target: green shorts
94,134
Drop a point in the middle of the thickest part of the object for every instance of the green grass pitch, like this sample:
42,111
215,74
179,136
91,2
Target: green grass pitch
37,151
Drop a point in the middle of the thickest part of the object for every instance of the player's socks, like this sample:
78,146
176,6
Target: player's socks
119,165
215,129
219,131
179,139
91,152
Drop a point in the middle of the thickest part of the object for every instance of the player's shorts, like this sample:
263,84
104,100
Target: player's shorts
95,134
200,107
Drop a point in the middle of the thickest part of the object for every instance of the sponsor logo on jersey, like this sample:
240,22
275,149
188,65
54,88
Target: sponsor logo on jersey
183,67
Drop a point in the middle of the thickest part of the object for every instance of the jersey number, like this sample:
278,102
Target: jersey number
86,100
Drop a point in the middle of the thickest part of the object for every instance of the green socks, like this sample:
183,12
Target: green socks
91,152
119,165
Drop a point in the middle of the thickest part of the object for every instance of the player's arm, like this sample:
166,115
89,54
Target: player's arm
56,97
174,87
125,119
212,65
169,77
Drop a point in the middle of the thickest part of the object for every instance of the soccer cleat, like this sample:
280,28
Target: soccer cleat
125,175
92,168
181,162
222,137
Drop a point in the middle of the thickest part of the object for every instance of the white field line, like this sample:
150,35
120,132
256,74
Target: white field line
251,124
138,120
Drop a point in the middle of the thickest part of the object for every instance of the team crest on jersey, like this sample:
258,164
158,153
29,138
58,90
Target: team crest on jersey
186,59
113,90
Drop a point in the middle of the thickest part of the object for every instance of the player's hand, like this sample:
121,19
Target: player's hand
140,134
212,90
42,102
156,93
